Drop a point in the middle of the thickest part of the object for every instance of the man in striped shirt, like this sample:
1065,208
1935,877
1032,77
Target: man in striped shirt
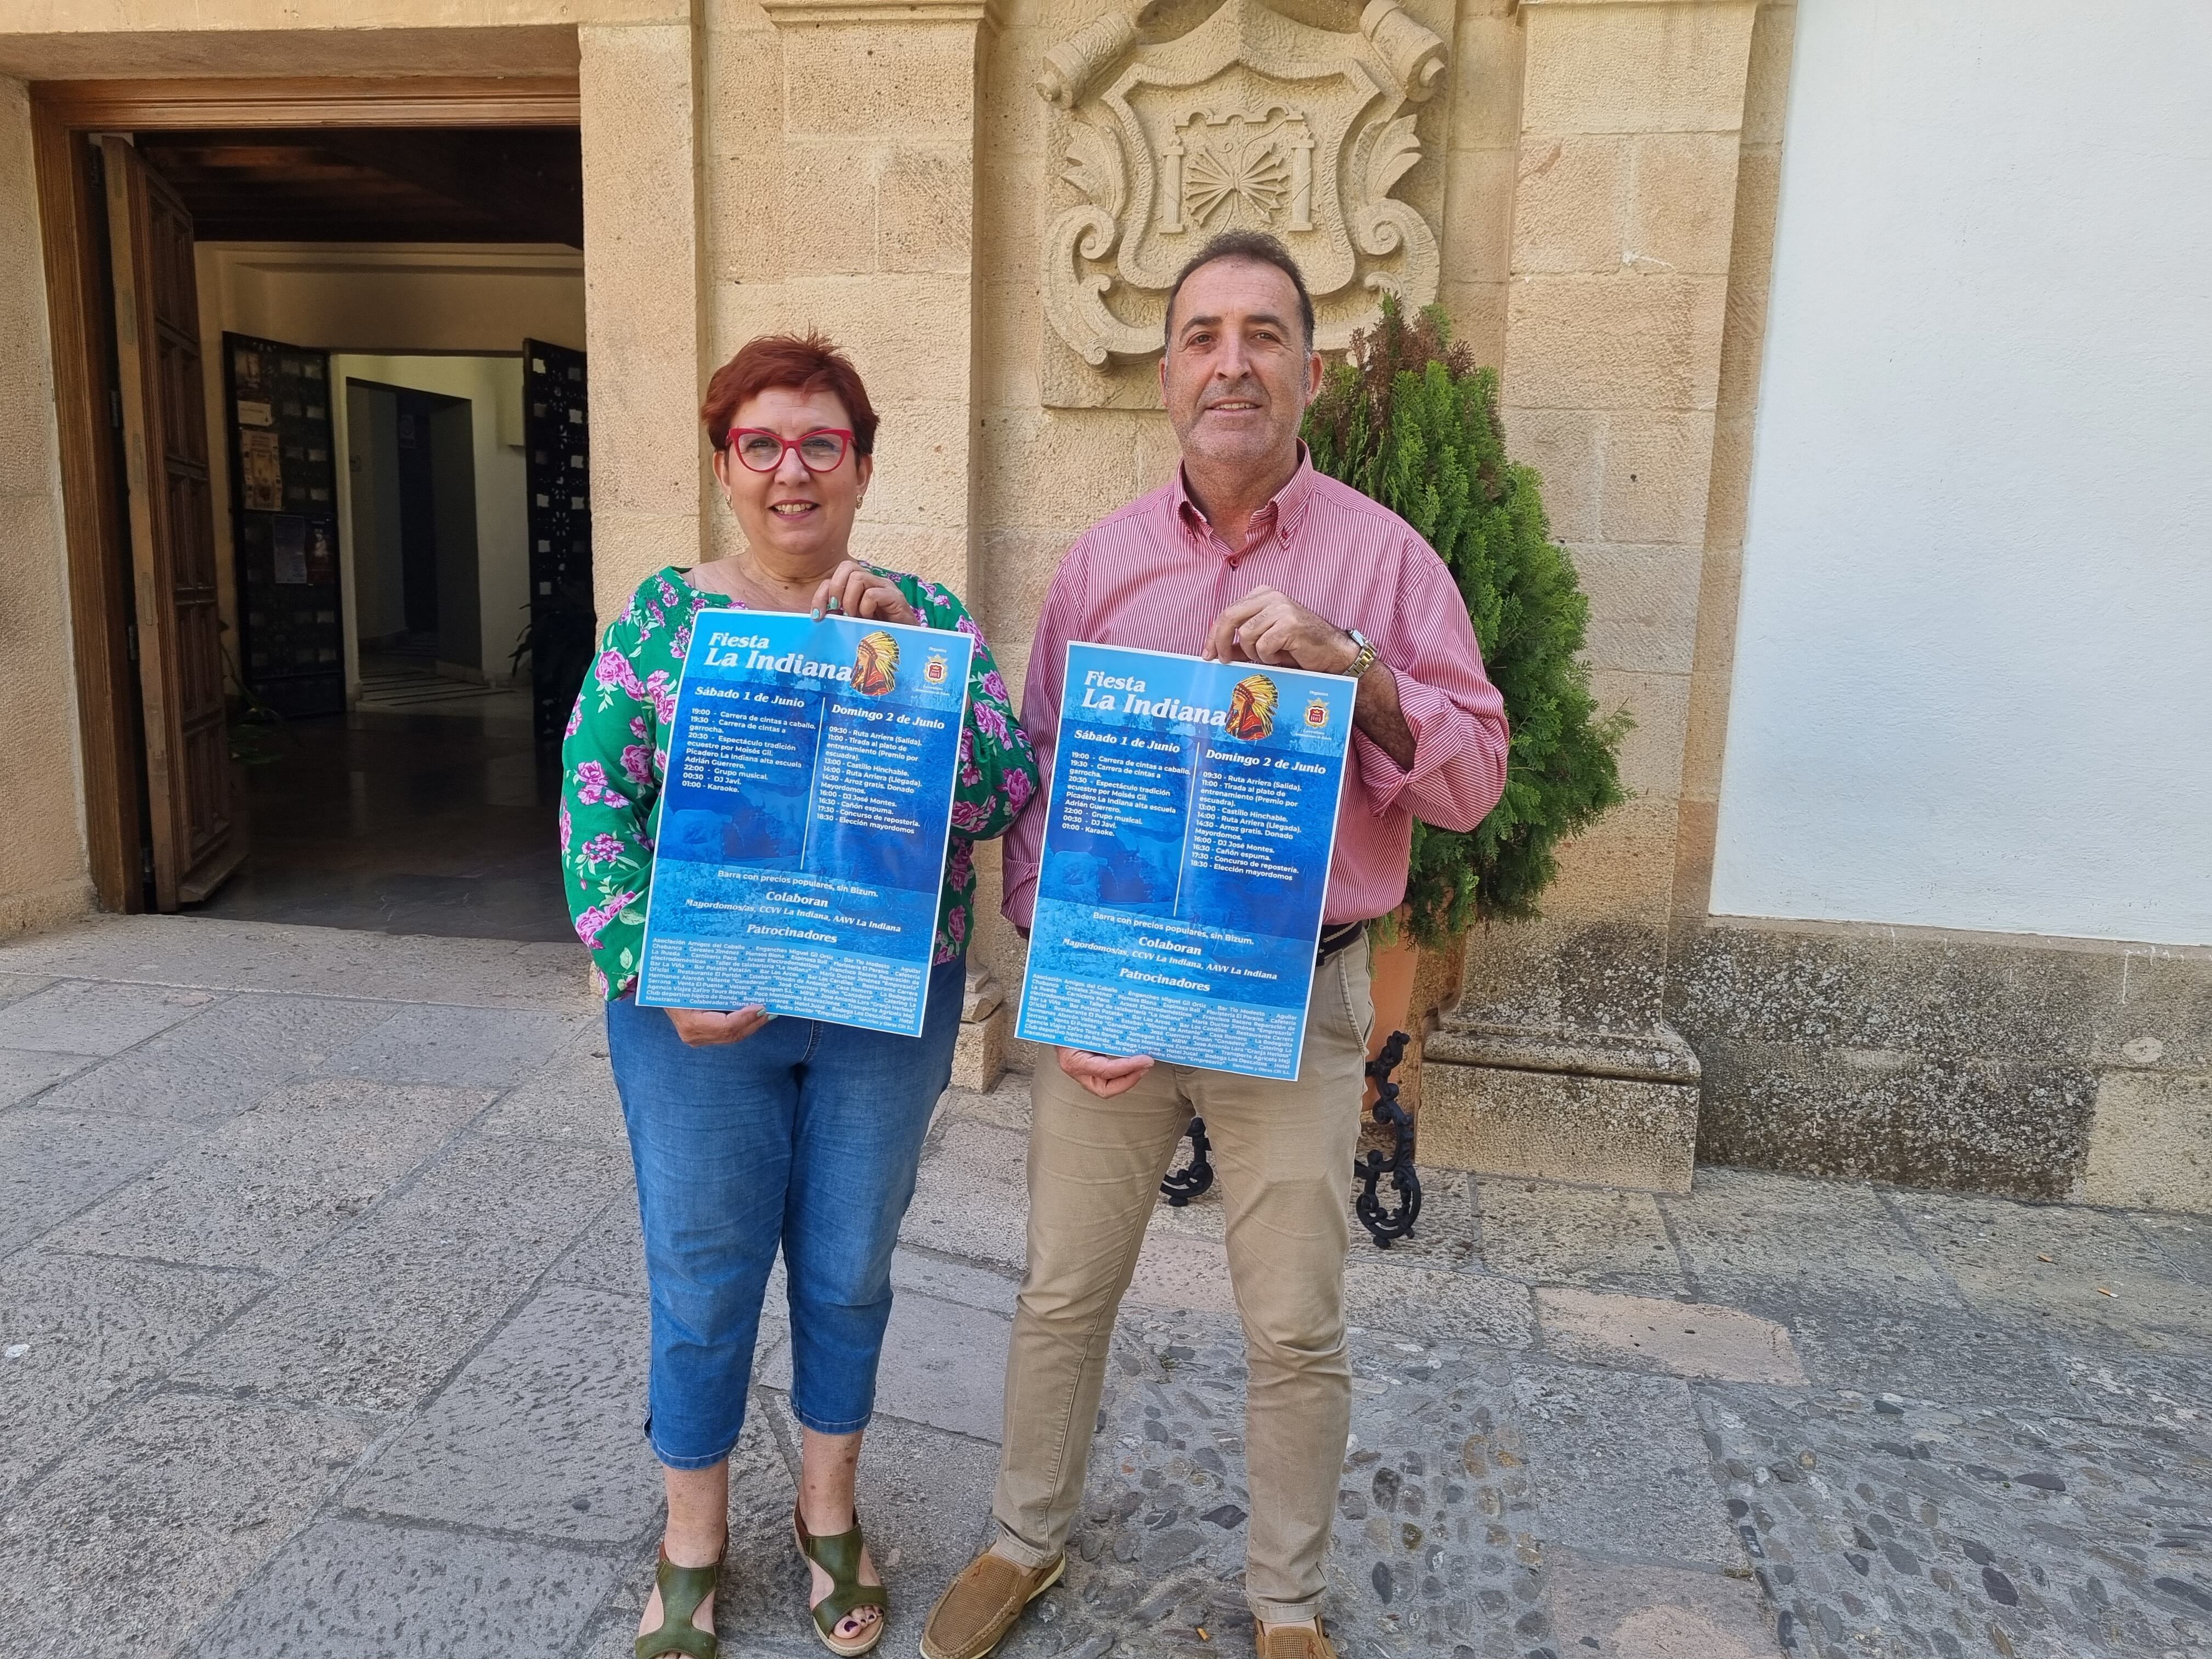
1248,555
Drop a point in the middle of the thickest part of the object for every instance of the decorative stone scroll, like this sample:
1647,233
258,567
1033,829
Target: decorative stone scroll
1251,120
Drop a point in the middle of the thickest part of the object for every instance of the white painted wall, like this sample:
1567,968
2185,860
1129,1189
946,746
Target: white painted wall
493,386
1973,670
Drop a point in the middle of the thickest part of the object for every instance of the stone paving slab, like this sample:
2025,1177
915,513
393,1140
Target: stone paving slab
1430,1302
1922,1342
360,1589
254,955
15,986
945,1365
2063,1265
538,1434
972,1193
927,1513
1689,1339
28,1071
77,1332
1590,1235
78,1017
223,1059
1630,1610
379,1319
264,1189
54,1164
1449,1231
573,1098
611,1253
460,1047
1728,1227
2187,1242
147,1528
761,1594
1177,1269
954,1281
1617,1464
1577,1428
1445,1237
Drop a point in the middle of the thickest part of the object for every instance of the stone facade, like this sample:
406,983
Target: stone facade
979,200
43,875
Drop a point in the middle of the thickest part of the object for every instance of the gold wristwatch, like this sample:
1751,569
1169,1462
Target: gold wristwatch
1365,659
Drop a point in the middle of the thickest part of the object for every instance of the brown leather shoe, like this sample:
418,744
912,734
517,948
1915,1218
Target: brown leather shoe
1295,1642
980,1606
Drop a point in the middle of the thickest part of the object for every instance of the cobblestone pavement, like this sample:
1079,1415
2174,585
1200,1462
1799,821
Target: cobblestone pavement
323,1329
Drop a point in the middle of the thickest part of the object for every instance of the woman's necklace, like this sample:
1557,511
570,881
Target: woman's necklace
778,593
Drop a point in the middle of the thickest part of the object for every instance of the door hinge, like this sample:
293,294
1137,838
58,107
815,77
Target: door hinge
131,637
115,407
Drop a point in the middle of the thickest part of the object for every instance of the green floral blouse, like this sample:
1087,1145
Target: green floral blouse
616,751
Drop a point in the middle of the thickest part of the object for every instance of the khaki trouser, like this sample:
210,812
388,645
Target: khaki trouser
1284,1151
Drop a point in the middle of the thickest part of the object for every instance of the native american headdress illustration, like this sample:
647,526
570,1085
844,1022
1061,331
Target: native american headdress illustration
875,665
1252,707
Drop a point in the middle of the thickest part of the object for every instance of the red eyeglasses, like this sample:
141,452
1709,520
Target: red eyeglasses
759,450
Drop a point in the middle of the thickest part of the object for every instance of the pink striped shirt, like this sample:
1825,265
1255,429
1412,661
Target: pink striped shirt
1155,575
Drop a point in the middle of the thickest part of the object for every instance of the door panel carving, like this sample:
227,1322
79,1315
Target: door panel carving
197,839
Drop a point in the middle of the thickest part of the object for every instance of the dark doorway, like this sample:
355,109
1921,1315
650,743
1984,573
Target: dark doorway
416,470
380,728
415,451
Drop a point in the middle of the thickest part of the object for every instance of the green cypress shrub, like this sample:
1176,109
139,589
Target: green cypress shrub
1410,420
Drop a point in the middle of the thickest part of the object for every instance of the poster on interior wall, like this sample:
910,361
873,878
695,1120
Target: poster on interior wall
284,524
289,548
261,467
1189,829
805,818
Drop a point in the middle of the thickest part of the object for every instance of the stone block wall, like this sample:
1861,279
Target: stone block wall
840,195
642,300
44,869
2042,1068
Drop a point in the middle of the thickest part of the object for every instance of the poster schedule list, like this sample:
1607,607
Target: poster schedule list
1191,816
805,820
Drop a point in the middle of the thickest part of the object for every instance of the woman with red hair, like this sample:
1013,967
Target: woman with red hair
750,1132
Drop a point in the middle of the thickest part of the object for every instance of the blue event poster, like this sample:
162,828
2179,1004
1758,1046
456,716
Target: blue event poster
1191,816
805,818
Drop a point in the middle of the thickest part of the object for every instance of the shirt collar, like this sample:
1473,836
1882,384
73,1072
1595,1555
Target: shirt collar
1285,512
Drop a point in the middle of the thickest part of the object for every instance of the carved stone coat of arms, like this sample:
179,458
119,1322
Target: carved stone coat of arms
1251,120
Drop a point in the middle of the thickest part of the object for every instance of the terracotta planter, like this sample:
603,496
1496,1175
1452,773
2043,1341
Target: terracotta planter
1411,985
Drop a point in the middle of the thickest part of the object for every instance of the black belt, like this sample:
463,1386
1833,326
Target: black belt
1334,939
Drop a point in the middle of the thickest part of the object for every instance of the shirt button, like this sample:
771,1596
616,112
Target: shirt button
1232,564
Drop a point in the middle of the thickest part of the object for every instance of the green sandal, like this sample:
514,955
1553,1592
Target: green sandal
840,1557
682,1591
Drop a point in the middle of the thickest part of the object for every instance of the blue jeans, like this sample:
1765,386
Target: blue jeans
805,1134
